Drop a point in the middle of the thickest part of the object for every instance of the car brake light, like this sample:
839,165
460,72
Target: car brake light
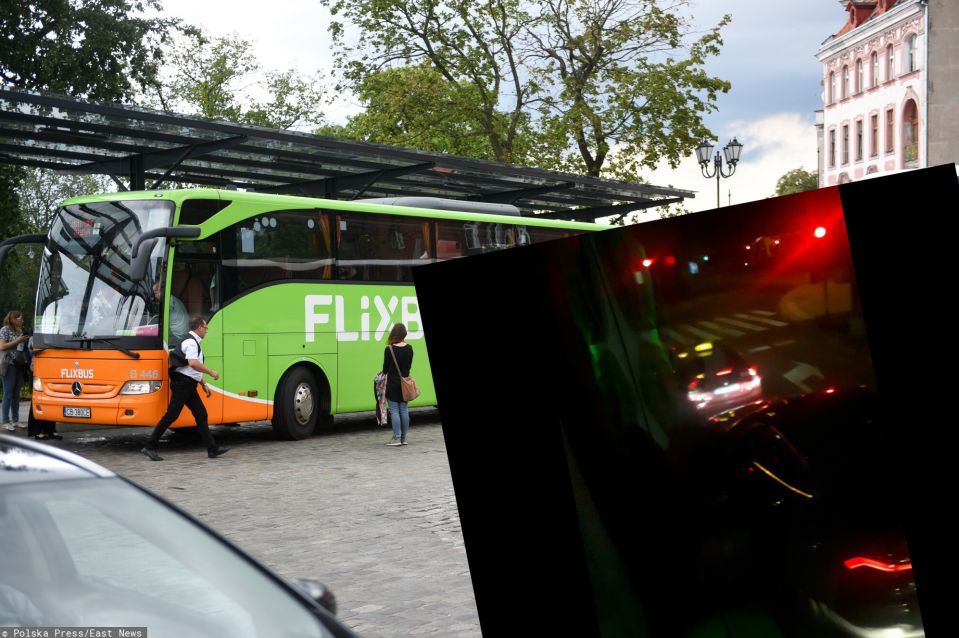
724,372
859,561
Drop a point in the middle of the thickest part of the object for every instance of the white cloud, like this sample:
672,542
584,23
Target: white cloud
771,146
293,34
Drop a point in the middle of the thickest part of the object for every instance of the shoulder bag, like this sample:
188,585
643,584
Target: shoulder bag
407,384
19,359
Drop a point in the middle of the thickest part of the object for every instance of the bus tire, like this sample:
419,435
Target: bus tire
296,406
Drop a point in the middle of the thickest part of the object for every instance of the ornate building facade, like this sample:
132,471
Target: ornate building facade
889,88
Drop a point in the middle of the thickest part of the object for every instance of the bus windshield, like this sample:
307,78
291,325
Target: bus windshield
85,289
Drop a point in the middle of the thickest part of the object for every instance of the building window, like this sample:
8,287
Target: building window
845,82
890,130
874,140
890,59
875,69
858,76
845,144
859,140
910,135
912,57
832,88
832,148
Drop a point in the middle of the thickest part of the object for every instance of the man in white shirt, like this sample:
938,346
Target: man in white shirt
183,382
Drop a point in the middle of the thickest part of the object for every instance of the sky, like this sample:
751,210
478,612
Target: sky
768,56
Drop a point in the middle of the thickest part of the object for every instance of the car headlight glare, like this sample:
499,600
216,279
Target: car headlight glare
140,387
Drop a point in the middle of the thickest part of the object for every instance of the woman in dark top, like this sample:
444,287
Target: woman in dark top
399,409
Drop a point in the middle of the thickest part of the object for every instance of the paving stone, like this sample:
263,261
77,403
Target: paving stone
377,524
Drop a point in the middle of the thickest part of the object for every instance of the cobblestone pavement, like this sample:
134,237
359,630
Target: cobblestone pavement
377,524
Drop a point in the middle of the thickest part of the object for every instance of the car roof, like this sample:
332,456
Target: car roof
24,461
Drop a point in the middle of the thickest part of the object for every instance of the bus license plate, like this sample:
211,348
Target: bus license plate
77,413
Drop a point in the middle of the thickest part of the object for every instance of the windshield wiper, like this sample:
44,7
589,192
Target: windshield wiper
108,340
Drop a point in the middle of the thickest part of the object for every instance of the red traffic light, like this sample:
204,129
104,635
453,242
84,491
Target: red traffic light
820,232
647,263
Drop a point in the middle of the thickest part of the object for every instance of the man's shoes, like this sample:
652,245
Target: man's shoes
9,427
220,451
22,426
403,441
151,454
395,441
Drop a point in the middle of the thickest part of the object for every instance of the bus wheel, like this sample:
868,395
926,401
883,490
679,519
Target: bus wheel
296,405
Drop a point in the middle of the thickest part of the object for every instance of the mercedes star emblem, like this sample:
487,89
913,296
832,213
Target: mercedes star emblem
77,388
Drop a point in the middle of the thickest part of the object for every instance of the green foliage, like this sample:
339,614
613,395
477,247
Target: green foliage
217,78
18,278
416,107
797,181
41,191
602,87
101,49
471,45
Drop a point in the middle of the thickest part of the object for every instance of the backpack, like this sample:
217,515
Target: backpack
176,357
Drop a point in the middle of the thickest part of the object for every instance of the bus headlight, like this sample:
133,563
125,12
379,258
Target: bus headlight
37,385
140,387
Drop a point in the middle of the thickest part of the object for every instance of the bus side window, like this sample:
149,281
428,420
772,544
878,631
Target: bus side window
374,247
522,236
276,246
539,234
450,239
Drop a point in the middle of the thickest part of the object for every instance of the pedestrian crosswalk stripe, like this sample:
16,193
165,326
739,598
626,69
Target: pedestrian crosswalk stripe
675,336
721,329
699,333
771,322
763,312
741,324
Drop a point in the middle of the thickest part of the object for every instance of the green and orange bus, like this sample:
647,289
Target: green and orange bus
299,293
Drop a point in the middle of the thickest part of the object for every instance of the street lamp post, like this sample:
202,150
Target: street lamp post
732,150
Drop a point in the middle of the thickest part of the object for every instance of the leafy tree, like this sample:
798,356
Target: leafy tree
797,181
41,191
18,278
416,107
215,77
554,83
469,43
101,49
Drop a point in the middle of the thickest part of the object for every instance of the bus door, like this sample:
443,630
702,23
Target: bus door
194,292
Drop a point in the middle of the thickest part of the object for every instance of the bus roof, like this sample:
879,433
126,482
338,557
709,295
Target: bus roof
258,203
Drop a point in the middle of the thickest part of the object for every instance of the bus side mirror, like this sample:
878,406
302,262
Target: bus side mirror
138,265
145,243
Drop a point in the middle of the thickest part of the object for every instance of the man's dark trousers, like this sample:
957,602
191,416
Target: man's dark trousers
184,394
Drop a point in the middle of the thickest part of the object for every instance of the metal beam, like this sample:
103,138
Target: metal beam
330,187
158,159
508,197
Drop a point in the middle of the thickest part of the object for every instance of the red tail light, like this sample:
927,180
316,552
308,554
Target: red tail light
859,561
724,372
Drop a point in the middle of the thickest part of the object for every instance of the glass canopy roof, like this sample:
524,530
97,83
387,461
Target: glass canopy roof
150,148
